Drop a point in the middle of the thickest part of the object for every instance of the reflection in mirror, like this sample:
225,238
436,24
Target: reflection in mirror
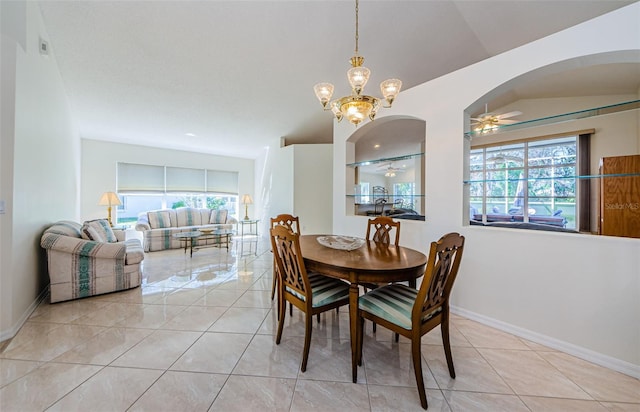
387,171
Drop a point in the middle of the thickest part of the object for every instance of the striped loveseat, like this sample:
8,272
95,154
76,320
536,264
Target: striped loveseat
81,267
159,226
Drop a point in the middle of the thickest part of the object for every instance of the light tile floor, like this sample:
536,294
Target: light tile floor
199,335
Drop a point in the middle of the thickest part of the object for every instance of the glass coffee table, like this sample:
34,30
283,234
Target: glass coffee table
190,240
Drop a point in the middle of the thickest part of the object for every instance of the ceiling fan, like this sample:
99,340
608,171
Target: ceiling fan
389,170
488,121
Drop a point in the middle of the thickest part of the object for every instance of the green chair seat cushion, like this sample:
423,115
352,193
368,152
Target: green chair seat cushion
325,290
393,303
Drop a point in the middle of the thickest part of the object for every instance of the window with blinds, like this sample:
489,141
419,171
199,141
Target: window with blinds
139,178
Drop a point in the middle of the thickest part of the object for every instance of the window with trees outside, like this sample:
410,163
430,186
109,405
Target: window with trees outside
363,191
530,182
150,187
403,194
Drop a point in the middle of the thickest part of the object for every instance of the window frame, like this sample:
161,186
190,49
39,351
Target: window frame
527,169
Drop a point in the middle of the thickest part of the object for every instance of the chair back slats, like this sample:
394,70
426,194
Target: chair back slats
286,247
290,221
380,228
442,268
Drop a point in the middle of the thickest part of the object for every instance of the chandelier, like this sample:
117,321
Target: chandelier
357,107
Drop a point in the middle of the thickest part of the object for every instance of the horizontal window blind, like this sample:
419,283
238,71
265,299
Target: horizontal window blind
180,179
140,178
219,181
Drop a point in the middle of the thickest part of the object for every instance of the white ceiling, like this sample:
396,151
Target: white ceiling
239,74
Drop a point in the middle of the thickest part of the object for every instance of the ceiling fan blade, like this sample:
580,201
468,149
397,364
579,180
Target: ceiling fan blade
505,121
509,114
485,115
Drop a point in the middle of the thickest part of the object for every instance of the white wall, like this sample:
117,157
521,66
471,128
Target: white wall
579,293
40,161
313,190
297,180
99,160
276,179
373,180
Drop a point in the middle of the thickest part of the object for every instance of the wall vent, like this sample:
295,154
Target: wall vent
44,47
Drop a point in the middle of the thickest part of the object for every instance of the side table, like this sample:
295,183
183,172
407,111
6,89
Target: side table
251,223
248,222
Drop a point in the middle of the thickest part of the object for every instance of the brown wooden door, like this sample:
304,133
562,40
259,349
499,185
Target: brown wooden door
620,196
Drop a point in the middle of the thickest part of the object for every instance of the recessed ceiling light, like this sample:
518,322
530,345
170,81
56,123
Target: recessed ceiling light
190,134
376,146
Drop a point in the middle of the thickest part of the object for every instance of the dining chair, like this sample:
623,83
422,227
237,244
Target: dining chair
412,313
378,207
293,224
380,230
310,292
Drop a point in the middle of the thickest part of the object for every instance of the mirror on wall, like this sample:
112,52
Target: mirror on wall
386,171
536,153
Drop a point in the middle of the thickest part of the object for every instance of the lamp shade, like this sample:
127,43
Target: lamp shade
109,199
247,200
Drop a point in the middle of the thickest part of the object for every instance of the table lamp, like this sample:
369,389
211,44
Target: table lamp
247,200
109,199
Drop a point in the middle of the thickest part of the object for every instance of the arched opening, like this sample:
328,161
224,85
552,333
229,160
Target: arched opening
386,168
535,155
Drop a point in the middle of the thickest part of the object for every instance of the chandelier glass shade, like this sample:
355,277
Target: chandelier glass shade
357,106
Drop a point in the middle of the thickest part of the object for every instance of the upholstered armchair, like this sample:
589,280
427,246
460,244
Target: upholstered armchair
79,266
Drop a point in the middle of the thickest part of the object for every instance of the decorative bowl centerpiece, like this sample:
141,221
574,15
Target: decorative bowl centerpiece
341,242
206,231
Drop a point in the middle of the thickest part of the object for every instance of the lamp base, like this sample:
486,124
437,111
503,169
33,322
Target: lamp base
109,216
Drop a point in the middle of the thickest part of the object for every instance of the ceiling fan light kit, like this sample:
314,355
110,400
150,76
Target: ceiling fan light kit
389,170
488,122
357,106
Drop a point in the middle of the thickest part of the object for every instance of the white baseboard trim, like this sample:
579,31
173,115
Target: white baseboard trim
586,354
10,333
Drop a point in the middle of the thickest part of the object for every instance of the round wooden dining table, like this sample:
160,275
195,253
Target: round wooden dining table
372,263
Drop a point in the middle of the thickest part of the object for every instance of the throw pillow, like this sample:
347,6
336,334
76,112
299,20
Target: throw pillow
187,216
205,216
98,230
218,216
159,219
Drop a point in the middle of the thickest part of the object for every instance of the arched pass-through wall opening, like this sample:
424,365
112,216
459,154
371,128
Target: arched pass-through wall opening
541,169
385,168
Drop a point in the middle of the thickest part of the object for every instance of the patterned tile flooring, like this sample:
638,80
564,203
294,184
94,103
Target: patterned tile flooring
199,336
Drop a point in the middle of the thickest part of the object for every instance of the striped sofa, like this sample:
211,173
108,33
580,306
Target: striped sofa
159,226
79,267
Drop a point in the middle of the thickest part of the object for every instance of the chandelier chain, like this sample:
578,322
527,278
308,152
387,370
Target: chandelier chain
356,27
